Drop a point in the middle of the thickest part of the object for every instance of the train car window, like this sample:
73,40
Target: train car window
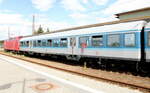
49,42
34,43
84,41
30,44
63,42
27,43
129,40
39,43
21,43
148,38
24,44
97,41
44,43
56,42
113,40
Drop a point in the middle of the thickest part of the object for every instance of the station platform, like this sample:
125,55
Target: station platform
18,76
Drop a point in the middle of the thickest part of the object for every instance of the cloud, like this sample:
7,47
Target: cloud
106,19
79,16
85,1
17,24
73,5
14,30
46,22
126,5
52,25
43,5
100,2
7,18
1,1
82,18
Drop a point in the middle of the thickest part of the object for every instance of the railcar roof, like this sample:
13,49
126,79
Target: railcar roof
129,26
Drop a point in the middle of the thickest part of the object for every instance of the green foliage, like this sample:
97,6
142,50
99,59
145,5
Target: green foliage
39,31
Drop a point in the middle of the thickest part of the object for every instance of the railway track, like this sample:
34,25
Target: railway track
142,86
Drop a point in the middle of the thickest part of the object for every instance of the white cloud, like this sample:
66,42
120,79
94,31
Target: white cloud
106,19
43,5
11,18
6,11
79,16
85,1
52,25
46,22
126,5
14,30
1,1
17,24
100,2
73,5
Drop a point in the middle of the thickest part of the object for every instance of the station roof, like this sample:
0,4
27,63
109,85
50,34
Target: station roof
132,11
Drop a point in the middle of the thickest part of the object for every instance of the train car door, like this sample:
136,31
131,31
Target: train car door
73,44
147,42
30,44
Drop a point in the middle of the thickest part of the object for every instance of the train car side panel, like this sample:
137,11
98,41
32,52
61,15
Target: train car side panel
147,42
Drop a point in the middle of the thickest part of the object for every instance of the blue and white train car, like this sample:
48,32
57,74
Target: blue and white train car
128,41
118,41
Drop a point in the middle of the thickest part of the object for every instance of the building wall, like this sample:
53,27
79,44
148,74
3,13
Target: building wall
135,14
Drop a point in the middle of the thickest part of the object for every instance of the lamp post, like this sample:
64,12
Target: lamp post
33,25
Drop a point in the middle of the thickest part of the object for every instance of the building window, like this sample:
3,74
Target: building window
56,42
44,43
129,40
49,42
63,42
148,38
84,41
97,41
113,40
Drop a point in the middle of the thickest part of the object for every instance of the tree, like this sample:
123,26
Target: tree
40,30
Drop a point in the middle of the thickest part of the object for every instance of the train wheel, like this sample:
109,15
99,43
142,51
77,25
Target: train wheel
143,68
99,64
103,64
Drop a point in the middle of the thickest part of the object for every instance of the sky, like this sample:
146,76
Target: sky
16,15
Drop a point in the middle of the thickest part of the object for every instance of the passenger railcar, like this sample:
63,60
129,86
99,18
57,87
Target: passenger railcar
128,41
117,41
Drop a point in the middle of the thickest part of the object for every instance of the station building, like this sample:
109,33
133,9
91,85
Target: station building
143,12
